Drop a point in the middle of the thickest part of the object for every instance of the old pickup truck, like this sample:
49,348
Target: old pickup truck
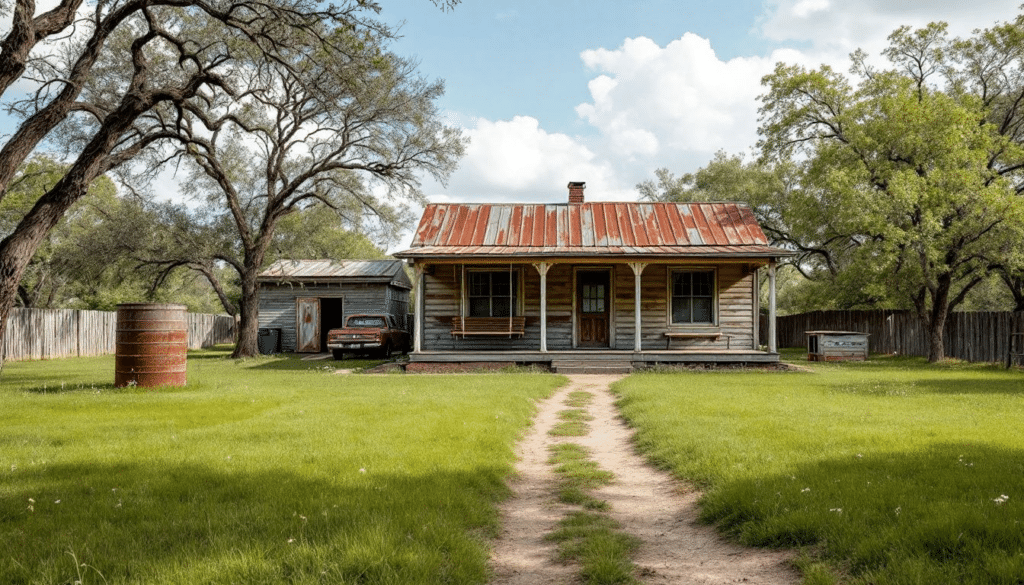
370,333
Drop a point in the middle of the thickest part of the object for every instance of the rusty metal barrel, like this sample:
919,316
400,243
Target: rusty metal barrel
151,345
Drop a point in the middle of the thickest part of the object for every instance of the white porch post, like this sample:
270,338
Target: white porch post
771,307
638,268
417,343
756,301
542,269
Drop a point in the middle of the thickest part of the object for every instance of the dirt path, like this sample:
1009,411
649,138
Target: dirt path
648,503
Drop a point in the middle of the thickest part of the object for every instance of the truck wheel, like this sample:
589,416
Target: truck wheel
339,354
385,351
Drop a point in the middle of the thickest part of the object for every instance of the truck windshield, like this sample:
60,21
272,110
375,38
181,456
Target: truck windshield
366,322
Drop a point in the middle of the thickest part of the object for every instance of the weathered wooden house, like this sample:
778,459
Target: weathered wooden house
307,298
630,283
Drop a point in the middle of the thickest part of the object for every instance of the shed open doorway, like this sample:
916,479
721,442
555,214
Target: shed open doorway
331,317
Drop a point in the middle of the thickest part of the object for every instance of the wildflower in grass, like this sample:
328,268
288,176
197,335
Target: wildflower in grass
805,490
362,470
1001,499
836,510
898,510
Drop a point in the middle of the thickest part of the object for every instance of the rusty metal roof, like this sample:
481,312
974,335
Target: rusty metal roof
337,270
586,229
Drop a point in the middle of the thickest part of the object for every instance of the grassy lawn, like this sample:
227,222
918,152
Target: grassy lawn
888,471
270,470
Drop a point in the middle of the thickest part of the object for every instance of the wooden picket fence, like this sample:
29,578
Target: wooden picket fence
39,334
982,336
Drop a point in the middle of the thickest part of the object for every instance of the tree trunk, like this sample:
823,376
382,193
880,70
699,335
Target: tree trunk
936,345
248,315
17,249
934,318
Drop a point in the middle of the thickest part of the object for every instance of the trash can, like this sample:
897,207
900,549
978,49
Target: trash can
268,341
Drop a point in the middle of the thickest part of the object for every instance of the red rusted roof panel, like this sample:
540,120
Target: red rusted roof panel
598,227
575,227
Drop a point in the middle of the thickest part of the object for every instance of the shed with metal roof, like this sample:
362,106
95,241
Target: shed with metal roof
306,298
645,282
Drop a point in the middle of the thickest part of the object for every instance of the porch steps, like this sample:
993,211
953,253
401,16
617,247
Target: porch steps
591,366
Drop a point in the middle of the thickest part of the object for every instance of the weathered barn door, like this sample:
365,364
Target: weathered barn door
307,326
592,310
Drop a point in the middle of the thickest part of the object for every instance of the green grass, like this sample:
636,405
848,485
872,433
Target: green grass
577,474
887,471
569,429
574,415
579,399
269,470
593,540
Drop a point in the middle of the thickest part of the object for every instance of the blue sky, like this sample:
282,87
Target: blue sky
608,91
502,60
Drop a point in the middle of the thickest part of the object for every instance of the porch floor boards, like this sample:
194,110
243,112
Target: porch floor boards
724,356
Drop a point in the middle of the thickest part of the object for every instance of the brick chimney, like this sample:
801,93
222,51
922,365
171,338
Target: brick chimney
576,191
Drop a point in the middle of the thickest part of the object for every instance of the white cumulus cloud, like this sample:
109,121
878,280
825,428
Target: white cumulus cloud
517,160
662,106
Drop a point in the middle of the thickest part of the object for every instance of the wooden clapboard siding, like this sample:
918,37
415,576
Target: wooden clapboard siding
735,309
442,298
736,305
560,307
277,303
38,334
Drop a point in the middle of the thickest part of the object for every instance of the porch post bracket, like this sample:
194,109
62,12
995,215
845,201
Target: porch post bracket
542,269
638,268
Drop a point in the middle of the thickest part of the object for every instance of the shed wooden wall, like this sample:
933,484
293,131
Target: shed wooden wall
277,303
735,309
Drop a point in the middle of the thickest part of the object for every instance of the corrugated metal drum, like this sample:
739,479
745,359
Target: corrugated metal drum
152,344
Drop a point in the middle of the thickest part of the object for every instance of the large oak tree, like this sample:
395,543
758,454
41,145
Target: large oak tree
139,55
905,168
348,132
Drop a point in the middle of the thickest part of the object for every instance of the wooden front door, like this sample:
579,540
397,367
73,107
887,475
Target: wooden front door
307,325
592,308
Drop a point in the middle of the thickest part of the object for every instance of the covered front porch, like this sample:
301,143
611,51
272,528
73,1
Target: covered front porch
549,322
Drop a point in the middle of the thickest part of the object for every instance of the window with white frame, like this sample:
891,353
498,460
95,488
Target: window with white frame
492,293
693,297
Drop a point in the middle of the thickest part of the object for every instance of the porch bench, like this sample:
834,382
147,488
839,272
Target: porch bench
713,335
493,326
